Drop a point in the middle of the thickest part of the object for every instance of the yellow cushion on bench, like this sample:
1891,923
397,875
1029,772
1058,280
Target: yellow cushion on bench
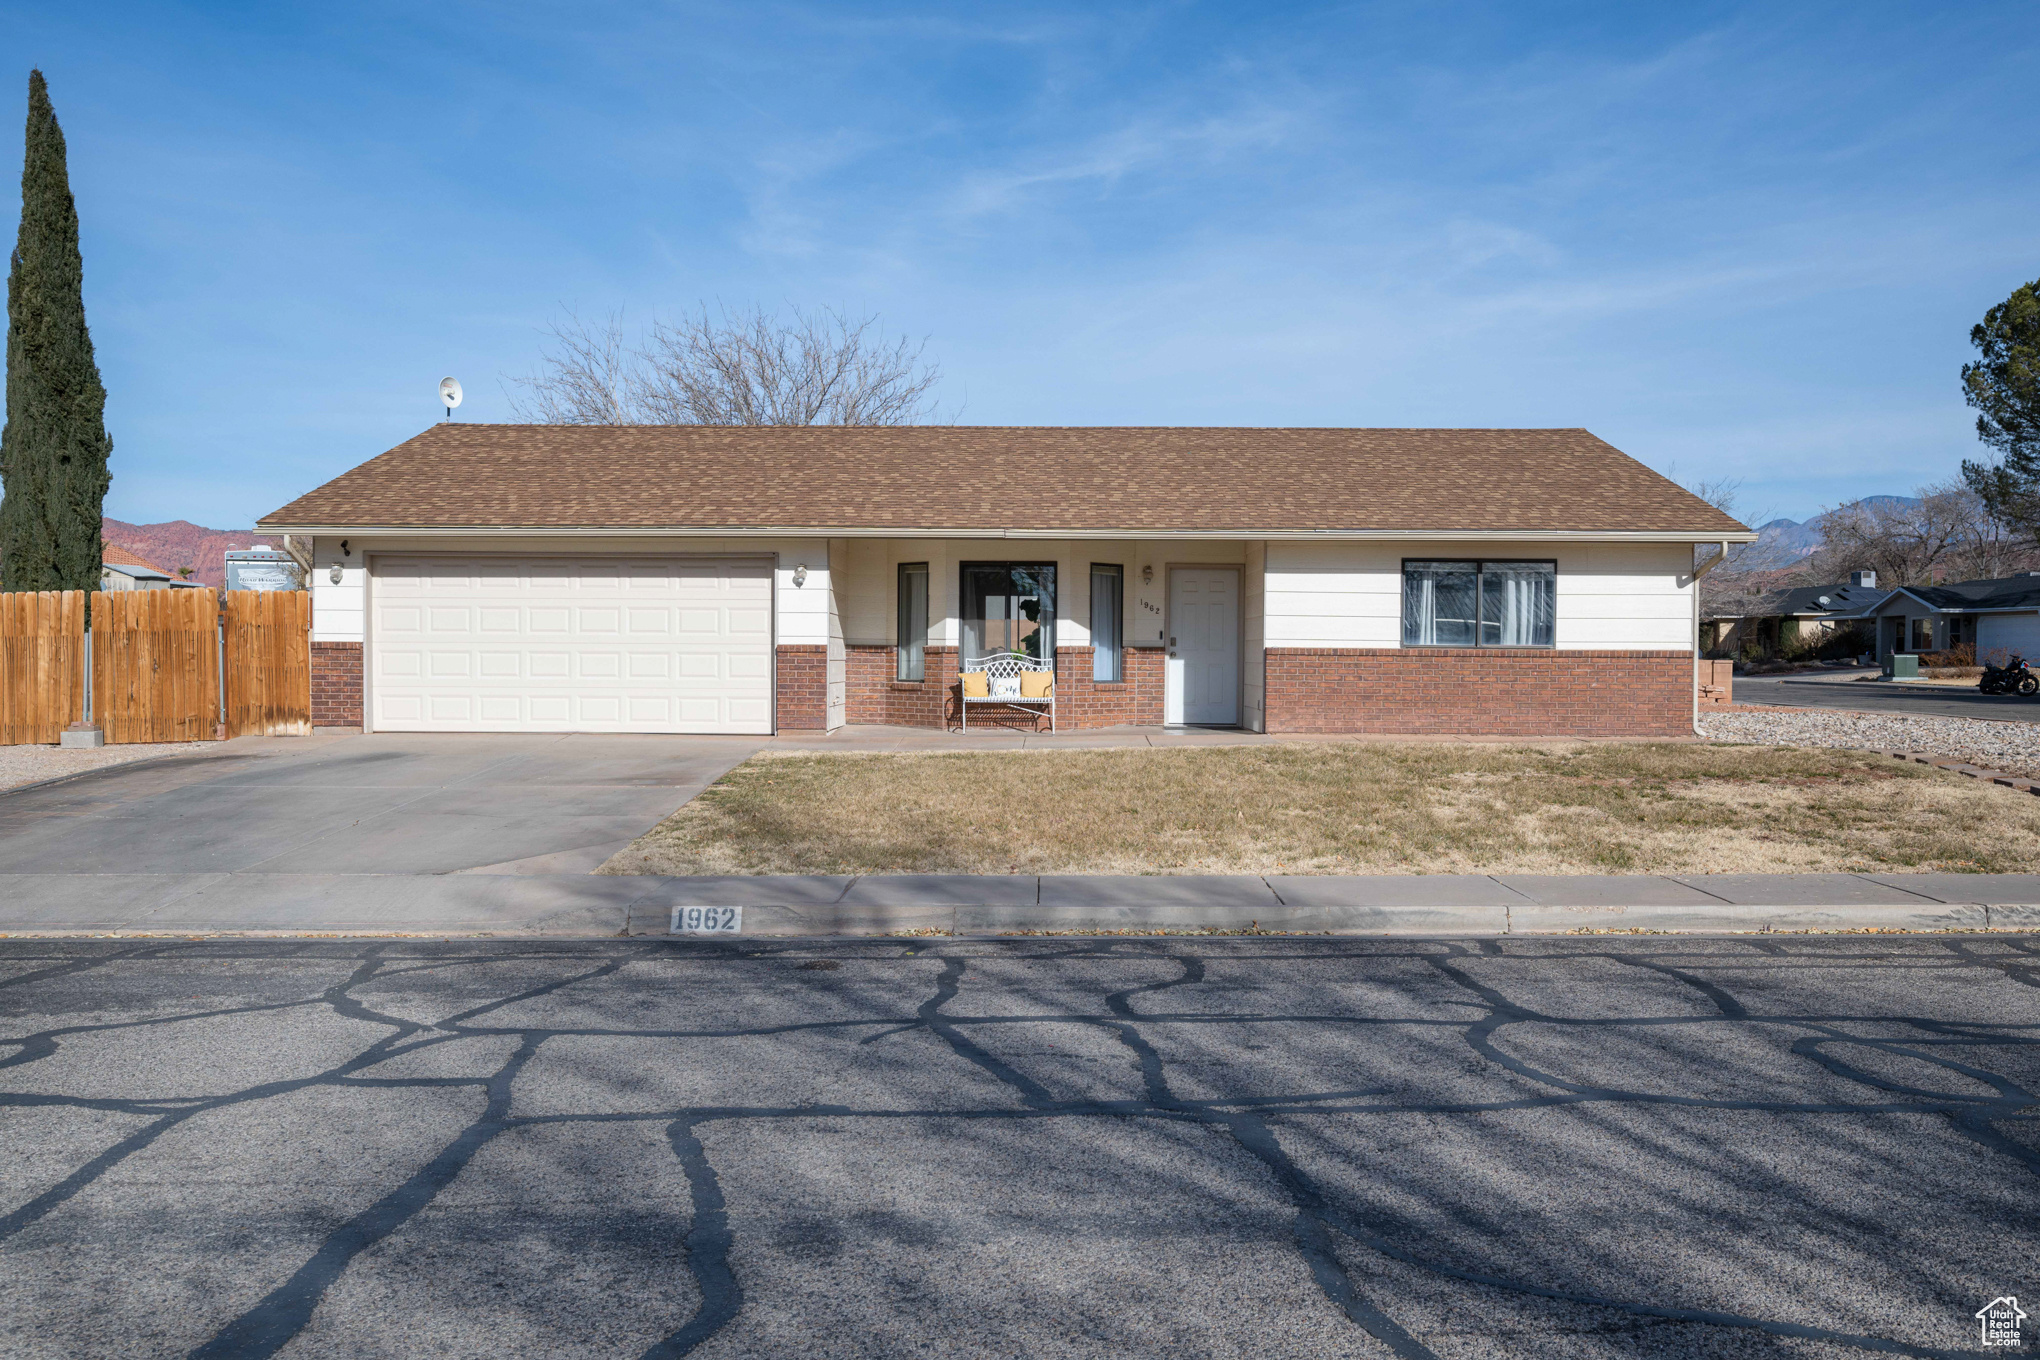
1036,684
976,685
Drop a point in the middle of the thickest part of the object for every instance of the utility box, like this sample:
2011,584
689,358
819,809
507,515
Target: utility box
1904,667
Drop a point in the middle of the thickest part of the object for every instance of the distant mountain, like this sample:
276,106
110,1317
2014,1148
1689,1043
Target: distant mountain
180,543
1788,540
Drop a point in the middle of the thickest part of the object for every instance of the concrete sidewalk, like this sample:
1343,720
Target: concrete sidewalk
583,904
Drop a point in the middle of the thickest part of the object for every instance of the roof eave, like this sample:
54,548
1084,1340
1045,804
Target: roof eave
841,531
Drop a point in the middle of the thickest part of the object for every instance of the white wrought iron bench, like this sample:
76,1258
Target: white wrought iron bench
1002,671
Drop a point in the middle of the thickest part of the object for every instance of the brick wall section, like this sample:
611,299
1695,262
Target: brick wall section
1485,691
1083,702
1717,684
336,684
803,680
876,697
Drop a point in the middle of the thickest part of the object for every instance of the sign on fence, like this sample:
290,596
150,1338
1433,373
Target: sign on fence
42,665
166,665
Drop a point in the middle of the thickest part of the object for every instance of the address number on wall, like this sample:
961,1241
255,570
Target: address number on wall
708,920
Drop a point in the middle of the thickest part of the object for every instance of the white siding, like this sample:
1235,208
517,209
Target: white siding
1253,714
1613,596
837,687
338,610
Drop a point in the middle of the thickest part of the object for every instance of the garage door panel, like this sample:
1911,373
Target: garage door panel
503,644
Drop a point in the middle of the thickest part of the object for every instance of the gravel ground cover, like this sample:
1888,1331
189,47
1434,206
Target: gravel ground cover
2011,747
32,764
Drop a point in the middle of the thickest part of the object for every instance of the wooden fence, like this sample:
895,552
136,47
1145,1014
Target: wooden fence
267,638
167,665
42,664
156,664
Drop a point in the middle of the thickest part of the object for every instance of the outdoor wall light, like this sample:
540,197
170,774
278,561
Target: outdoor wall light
334,575
1147,575
800,574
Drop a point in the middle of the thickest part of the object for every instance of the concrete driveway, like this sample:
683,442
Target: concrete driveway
304,820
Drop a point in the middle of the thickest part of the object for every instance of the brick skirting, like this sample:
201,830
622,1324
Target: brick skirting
803,689
1484,691
336,684
874,696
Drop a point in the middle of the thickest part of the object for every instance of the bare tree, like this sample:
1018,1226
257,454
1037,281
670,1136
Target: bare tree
1987,545
743,368
1750,570
1946,534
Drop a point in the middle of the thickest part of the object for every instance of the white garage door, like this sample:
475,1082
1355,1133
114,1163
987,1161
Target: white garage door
551,644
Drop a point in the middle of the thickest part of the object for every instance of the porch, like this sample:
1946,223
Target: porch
1141,634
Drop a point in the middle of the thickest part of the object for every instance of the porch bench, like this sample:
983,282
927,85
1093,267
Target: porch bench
1003,685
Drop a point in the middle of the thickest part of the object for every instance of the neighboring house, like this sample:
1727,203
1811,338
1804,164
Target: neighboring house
717,579
1803,615
120,569
1996,617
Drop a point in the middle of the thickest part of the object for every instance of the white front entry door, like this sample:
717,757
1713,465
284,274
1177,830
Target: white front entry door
558,644
1203,678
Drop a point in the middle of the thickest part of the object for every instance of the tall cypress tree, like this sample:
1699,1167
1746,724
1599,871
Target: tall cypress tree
54,450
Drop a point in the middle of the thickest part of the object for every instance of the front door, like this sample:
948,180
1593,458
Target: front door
1203,678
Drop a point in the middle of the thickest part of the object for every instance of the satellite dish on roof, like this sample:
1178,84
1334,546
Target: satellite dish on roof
449,394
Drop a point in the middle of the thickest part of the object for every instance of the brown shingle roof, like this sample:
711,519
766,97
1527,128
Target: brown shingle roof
1002,477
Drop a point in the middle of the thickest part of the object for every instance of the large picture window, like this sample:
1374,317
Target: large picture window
913,623
1107,633
1479,604
1008,607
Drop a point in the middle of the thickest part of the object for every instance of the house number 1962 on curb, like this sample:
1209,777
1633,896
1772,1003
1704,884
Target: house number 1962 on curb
708,920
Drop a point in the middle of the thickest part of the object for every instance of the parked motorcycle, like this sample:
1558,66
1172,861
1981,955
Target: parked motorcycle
2014,677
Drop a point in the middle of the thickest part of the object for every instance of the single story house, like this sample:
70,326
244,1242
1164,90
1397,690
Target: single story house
1802,614
1997,617
759,579
120,569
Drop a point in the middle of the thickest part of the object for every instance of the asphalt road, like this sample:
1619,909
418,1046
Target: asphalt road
1607,1146
1935,701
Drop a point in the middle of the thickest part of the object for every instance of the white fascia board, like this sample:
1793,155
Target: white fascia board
1984,609
834,531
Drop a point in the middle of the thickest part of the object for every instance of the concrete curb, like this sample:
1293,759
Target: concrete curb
538,906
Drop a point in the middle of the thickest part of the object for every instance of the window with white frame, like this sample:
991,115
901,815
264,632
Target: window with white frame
1108,593
912,639
1479,604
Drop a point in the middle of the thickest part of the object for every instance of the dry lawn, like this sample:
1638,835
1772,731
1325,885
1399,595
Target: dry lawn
1344,809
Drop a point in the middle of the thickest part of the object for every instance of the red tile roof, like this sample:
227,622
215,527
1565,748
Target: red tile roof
113,555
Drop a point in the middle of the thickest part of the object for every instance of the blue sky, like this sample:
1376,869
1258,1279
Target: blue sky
1740,240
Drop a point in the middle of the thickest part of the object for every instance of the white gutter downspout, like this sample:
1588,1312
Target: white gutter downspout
1709,565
